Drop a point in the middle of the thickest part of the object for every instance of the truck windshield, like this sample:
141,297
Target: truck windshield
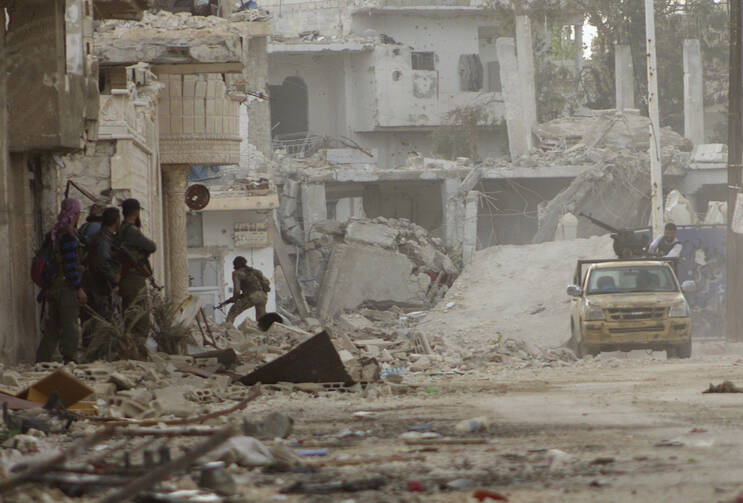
631,280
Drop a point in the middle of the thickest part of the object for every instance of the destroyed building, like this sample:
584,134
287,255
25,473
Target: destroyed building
51,107
130,114
337,166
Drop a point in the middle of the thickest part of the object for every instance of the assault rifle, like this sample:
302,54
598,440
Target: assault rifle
627,243
225,302
144,268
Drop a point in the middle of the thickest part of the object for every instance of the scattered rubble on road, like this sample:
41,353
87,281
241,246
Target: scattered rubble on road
724,387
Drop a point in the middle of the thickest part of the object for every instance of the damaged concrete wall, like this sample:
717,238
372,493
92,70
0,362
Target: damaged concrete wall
325,83
615,187
508,212
331,18
53,93
381,260
616,191
19,331
419,202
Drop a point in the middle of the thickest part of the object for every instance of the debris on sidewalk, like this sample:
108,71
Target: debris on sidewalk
724,387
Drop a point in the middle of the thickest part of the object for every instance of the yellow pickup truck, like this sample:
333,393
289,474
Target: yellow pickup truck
621,305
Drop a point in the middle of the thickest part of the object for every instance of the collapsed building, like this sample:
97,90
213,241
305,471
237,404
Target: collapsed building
354,126
127,114
361,93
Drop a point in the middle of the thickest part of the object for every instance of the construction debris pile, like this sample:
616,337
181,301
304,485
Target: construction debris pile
376,263
520,283
614,184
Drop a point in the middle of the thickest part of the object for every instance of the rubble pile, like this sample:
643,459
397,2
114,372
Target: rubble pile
379,263
162,21
511,293
614,183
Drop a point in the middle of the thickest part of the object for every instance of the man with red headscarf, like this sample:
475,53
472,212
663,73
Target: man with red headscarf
65,294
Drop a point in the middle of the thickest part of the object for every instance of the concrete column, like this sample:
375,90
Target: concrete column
256,73
624,77
453,207
469,246
519,133
175,179
578,46
693,92
314,206
527,84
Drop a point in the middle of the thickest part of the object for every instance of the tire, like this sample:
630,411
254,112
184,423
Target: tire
671,353
573,344
684,350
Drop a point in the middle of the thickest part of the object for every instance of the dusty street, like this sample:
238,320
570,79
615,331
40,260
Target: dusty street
630,430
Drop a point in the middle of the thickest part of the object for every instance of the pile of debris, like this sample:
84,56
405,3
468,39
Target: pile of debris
162,21
504,286
377,263
611,151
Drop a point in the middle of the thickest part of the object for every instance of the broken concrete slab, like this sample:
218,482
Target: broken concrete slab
357,273
354,322
163,38
314,361
371,233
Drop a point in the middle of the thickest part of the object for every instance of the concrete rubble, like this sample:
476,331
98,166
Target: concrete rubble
614,187
379,262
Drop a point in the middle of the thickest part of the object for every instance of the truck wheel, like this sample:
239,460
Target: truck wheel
684,350
671,353
574,344
580,350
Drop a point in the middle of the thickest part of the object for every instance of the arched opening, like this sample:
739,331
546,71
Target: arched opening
289,105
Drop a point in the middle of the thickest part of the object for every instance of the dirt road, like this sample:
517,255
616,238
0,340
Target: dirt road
622,430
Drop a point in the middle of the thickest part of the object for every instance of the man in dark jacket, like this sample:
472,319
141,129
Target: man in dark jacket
103,269
133,282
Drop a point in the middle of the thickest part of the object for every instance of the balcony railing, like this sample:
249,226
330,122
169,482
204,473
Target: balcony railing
299,145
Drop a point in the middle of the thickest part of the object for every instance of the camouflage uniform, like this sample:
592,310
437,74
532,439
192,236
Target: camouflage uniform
250,289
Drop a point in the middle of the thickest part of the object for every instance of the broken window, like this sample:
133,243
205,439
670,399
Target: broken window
470,72
494,84
289,108
194,230
423,61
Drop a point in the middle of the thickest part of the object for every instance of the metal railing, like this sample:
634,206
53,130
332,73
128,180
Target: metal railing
298,145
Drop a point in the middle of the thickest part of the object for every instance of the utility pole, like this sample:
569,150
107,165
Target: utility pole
656,171
734,317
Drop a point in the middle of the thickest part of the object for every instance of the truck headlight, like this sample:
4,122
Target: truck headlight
594,312
680,310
